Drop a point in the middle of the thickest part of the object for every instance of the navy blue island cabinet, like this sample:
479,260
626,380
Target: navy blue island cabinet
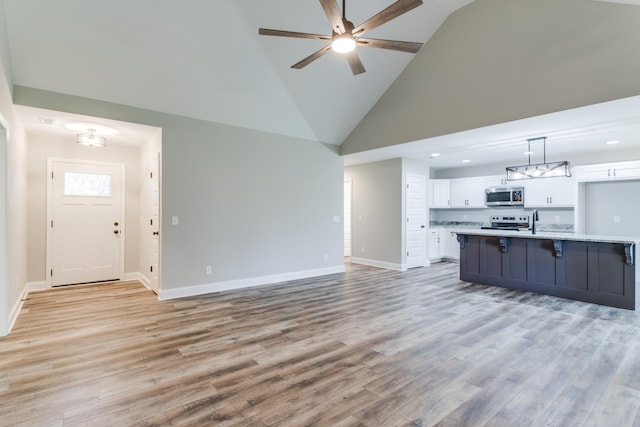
595,269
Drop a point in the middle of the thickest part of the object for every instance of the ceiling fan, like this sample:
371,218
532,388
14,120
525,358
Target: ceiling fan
346,36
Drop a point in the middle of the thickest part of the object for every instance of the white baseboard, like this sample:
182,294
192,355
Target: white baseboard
139,277
206,288
17,305
379,264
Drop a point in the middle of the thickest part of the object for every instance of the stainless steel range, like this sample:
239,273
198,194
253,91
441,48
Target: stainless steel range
514,223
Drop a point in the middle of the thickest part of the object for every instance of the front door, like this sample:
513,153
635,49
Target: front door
86,222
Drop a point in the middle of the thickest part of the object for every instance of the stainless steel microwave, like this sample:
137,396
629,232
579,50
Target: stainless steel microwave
504,196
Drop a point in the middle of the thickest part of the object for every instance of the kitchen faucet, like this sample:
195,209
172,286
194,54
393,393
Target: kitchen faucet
535,218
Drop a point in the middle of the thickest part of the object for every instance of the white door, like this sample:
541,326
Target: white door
347,217
416,209
86,222
155,226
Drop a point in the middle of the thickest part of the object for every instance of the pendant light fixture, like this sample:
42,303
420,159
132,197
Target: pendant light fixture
539,170
91,139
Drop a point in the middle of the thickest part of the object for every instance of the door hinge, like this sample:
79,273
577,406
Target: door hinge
51,223
407,253
51,272
51,175
151,175
151,221
151,268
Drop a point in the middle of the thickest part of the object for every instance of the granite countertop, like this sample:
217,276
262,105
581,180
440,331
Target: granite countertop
555,228
526,234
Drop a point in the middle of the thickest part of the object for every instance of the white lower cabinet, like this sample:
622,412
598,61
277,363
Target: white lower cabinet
449,244
434,244
443,245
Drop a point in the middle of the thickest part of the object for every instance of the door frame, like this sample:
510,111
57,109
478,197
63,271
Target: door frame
49,245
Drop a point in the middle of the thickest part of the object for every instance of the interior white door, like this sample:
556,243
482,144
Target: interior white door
416,230
86,222
347,217
154,246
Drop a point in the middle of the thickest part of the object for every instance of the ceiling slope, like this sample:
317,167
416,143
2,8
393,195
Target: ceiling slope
204,59
497,61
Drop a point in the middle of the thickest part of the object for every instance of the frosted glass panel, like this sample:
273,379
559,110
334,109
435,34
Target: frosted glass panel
87,184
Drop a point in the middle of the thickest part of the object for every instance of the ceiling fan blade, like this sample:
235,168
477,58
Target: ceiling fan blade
309,59
410,47
333,13
396,9
282,33
355,63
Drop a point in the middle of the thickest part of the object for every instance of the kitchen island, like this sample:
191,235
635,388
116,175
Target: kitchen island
582,267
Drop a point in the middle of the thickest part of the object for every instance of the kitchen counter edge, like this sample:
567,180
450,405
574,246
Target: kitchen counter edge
545,235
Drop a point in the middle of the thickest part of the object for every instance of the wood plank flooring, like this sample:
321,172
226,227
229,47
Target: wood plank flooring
366,348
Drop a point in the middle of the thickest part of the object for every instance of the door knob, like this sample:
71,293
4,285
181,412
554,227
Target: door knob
155,233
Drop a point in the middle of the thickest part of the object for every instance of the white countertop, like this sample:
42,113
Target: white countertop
544,235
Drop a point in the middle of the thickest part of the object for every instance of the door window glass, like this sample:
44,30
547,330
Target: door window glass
87,184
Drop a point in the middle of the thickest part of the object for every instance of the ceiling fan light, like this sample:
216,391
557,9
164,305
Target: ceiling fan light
343,43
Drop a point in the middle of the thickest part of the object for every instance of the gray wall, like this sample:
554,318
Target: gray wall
377,211
606,200
250,204
43,145
495,61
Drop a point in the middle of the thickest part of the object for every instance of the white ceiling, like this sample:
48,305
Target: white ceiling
204,59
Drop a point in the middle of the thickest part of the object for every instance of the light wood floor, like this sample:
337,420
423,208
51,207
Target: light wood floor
365,348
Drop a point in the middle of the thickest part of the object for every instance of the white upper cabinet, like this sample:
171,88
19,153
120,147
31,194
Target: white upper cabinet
468,193
498,181
607,171
549,192
439,193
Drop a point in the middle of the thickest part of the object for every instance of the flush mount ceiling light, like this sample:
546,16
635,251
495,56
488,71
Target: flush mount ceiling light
91,139
539,170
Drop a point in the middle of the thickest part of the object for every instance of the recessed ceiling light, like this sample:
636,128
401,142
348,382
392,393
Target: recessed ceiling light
434,155
613,142
466,161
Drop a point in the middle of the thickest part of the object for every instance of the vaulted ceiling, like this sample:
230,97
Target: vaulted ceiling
204,59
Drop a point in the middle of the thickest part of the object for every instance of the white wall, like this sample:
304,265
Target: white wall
12,196
494,61
257,207
42,145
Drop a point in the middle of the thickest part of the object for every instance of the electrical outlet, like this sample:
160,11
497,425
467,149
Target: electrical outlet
362,249
326,257
174,220
209,269
616,219
336,218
